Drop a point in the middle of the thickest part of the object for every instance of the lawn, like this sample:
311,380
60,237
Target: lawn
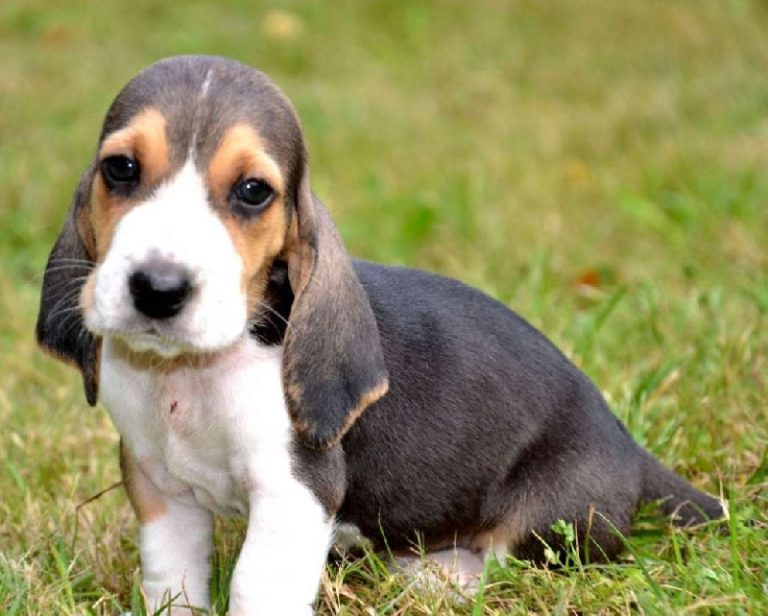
599,166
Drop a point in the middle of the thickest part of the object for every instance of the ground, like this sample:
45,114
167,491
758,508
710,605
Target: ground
599,166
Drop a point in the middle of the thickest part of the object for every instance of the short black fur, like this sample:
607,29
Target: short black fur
487,423
269,323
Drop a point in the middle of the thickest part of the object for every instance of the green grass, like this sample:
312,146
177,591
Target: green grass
601,167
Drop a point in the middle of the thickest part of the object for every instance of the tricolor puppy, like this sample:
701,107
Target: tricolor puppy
252,368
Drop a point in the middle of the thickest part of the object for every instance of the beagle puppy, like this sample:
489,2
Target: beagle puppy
252,368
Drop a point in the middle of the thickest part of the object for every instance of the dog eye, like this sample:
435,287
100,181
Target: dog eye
254,194
120,170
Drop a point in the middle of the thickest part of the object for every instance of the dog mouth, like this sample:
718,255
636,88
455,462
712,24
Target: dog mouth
157,339
153,340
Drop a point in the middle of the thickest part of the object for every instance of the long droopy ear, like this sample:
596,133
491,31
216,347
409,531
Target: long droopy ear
60,328
333,363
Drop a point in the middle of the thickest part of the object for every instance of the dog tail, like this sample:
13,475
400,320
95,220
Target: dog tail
678,499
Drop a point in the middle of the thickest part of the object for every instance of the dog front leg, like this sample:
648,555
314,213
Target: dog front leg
175,543
175,558
285,549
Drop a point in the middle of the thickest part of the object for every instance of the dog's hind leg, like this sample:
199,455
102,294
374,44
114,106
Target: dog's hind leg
450,569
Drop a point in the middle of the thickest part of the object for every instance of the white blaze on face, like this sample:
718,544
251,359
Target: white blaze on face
178,226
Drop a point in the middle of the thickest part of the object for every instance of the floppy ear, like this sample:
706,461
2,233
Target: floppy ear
333,363
60,328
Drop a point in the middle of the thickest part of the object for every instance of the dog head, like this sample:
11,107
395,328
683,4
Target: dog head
181,232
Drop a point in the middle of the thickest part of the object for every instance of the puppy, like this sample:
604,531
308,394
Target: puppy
251,368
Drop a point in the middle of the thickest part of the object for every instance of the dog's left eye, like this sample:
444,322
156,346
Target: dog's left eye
254,194
120,171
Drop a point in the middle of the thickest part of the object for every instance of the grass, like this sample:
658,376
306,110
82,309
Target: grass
599,166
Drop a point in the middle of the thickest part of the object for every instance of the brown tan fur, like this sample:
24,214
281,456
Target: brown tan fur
366,400
241,155
505,536
144,139
146,499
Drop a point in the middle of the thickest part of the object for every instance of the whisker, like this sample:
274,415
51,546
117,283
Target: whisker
64,299
77,322
67,266
71,260
65,311
82,335
265,320
62,268
273,311
63,283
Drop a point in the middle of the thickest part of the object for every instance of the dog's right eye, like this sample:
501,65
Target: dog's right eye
252,196
120,171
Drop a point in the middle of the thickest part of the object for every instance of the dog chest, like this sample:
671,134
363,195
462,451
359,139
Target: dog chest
216,428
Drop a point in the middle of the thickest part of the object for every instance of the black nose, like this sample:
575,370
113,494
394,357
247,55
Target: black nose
159,290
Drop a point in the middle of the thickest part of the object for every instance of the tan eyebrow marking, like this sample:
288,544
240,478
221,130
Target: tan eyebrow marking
143,138
241,153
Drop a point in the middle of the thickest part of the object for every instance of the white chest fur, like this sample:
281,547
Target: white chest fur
215,431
